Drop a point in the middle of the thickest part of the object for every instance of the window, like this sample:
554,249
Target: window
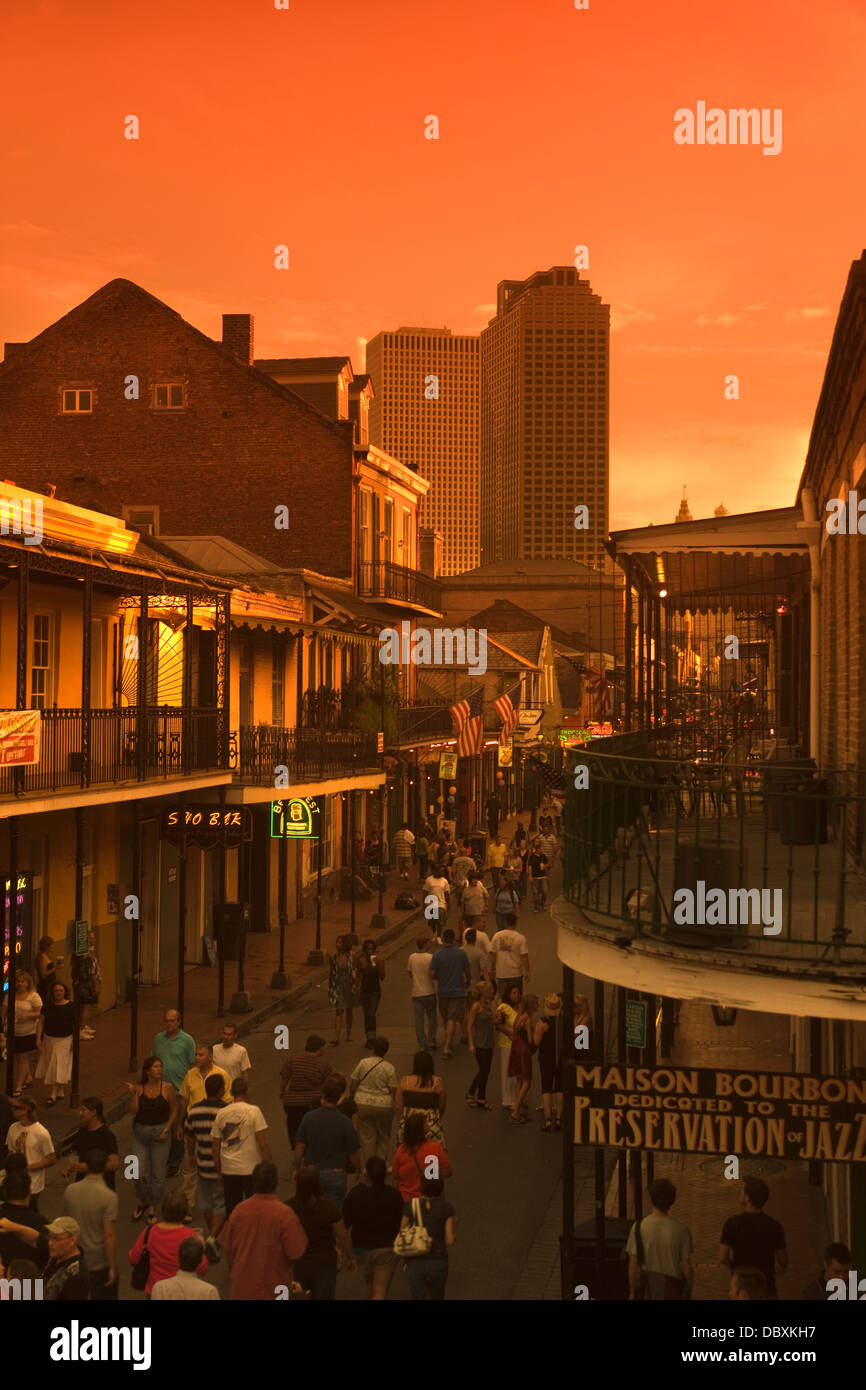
168,395
143,519
41,664
323,846
77,402
278,684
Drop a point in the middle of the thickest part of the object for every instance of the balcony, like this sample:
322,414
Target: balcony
309,754
787,932
399,585
423,722
104,747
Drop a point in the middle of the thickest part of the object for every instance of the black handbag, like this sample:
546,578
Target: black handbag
141,1272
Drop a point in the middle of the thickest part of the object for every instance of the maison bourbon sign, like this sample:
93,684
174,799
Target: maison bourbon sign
704,1110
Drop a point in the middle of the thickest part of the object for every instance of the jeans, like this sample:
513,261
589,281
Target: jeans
374,1130
175,1153
427,1277
332,1184
484,1056
539,893
152,1155
370,1005
237,1187
320,1280
294,1115
424,1006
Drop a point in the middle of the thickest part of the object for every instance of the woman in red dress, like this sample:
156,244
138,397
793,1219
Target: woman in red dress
520,1061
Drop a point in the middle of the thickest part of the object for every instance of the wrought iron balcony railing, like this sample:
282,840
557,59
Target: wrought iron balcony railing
99,747
308,754
642,835
390,581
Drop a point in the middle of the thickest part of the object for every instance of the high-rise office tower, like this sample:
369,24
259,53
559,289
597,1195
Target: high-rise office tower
544,420
424,411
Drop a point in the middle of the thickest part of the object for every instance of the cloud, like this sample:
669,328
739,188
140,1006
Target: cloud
485,308
718,320
807,313
623,315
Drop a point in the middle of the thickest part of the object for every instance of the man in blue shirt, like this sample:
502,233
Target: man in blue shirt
450,969
326,1138
176,1050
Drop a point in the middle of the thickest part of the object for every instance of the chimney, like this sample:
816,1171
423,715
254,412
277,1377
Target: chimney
238,336
10,349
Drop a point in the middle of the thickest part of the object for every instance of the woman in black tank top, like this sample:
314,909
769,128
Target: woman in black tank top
153,1106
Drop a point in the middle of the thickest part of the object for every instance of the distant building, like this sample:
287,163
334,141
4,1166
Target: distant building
425,411
544,420
684,513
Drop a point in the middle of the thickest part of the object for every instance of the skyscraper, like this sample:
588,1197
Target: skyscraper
424,411
544,420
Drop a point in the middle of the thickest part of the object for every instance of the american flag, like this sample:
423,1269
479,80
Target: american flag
468,716
598,689
508,709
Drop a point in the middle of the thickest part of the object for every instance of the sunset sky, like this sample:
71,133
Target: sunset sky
306,127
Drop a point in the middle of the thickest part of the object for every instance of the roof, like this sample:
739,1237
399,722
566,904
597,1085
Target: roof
118,291
216,554
302,366
360,383
504,616
776,531
546,572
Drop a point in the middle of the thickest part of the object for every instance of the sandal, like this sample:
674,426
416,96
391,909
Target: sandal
558,1124
52,1100
482,1105
138,1213
471,1102
518,1119
16,1093
547,1127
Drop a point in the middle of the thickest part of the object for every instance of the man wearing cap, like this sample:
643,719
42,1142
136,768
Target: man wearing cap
64,1278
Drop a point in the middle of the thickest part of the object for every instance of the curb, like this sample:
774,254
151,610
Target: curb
117,1109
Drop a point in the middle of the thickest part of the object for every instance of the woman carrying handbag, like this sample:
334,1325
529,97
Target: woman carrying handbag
428,1218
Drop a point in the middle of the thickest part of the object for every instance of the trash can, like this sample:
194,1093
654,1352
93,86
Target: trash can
803,813
780,778
230,924
610,1283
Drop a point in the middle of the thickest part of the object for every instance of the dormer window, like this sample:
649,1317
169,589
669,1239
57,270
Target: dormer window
76,402
169,395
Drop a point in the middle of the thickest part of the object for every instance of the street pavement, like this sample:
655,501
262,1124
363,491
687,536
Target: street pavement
505,1176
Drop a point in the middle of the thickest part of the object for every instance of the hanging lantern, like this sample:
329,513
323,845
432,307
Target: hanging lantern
452,791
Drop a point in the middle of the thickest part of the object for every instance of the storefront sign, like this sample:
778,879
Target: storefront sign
20,736
447,766
206,826
82,938
635,1023
703,1110
21,949
295,819
505,755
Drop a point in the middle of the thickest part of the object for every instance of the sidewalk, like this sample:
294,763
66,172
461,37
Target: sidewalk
104,1060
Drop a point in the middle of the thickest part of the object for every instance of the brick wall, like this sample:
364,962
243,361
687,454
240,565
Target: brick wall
241,447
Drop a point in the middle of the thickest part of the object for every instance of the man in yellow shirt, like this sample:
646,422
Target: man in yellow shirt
191,1092
497,853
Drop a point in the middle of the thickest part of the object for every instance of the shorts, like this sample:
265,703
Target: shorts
452,1010
210,1197
25,1042
383,1258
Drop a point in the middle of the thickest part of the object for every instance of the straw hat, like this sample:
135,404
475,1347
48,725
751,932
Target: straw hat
552,1004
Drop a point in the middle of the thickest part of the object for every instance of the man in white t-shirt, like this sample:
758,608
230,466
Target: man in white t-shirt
437,886
233,1059
510,959
27,1136
423,994
240,1141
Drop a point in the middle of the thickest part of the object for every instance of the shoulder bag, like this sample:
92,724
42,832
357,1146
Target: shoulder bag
141,1272
413,1240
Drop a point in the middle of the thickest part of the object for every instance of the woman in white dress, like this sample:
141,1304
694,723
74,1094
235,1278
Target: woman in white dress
54,1041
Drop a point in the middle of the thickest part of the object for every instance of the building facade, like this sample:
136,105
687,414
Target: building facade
544,420
425,411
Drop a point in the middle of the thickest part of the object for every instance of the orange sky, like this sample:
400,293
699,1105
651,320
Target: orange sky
261,126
